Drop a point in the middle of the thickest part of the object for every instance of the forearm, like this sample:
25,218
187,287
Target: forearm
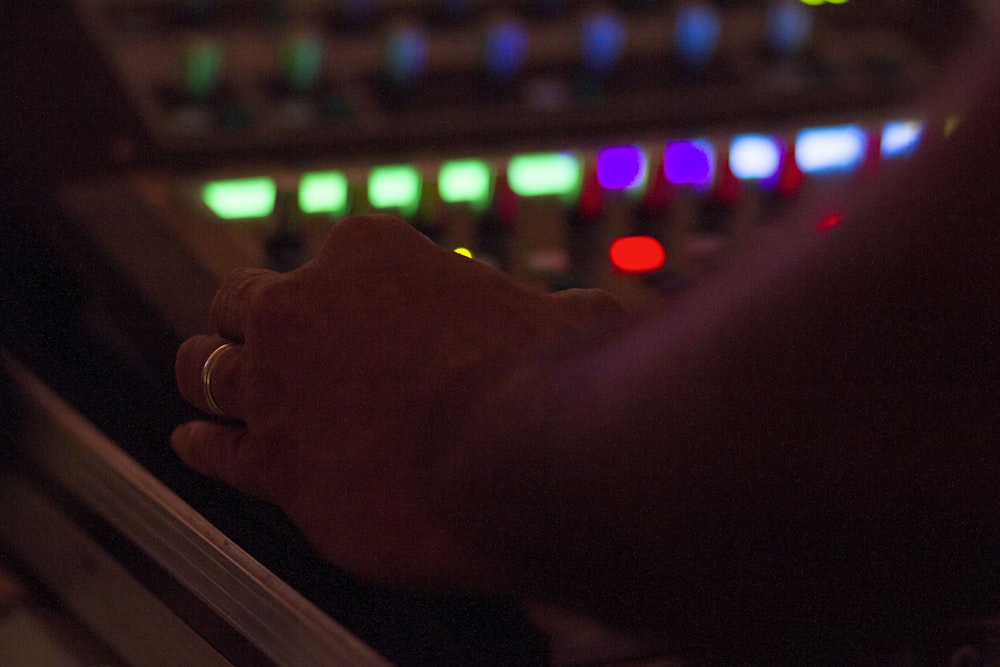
807,413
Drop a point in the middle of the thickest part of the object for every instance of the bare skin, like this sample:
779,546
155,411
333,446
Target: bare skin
805,438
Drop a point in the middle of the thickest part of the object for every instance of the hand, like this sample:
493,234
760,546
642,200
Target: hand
343,381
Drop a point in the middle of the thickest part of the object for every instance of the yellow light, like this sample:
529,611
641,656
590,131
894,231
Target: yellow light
464,252
951,125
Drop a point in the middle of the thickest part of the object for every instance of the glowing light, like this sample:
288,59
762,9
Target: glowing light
464,252
304,63
406,55
637,254
696,34
202,68
829,222
689,162
621,167
901,138
323,192
603,40
830,149
468,181
506,48
545,174
240,198
754,156
789,27
396,187
951,124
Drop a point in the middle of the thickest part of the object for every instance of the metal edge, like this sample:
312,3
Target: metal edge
275,618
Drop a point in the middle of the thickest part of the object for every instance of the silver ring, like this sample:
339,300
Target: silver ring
206,379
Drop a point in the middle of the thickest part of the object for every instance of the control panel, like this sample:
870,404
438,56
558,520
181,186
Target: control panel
375,76
620,144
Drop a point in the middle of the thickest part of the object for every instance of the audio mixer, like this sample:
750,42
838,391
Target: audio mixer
622,144
533,136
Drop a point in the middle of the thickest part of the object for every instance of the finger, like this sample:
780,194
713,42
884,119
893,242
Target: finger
231,304
227,376
224,452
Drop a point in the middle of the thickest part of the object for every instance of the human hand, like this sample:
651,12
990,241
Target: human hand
342,383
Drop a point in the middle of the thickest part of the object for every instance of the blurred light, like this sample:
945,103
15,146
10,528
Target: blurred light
637,254
901,138
406,55
464,252
951,124
397,187
789,27
689,162
304,63
829,222
323,192
830,149
621,167
545,174
202,68
240,198
603,41
467,181
696,34
754,156
506,48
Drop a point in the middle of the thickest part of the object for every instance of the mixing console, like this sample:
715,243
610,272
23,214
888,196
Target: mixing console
624,144
376,75
530,135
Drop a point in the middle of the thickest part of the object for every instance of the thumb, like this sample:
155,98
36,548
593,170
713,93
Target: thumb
224,452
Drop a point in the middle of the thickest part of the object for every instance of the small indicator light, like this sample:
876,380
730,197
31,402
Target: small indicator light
240,198
831,149
754,157
789,27
395,187
303,63
541,174
469,181
637,254
621,167
901,138
203,66
506,49
829,222
406,55
689,162
323,192
603,40
464,252
696,34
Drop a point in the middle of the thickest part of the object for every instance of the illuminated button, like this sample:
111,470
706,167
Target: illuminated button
545,174
303,63
901,138
323,192
240,198
506,49
696,34
202,68
754,156
689,162
621,167
466,181
406,55
603,41
831,149
637,254
789,27
395,187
